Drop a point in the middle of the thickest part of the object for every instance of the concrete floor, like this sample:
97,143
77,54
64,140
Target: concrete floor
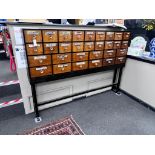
102,114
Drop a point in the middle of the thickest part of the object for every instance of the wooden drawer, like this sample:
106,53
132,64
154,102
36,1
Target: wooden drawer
39,60
99,45
118,36
31,35
95,63
107,62
89,35
109,53
62,68
122,52
82,56
124,44
65,36
89,46
78,46
78,35
40,71
109,35
109,44
50,36
50,48
34,50
64,47
120,60
100,36
117,44
61,58
96,55
80,65
126,35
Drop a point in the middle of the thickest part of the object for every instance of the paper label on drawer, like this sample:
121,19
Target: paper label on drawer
97,52
100,32
123,50
77,44
64,44
109,42
109,59
31,45
51,44
90,32
110,51
64,65
117,42
99,43
50,32
40,57
41,68
81,54
90,43
32,32
95,61
80,63
65,32
77,33
121,58
20,56
110,33
118,33
125,42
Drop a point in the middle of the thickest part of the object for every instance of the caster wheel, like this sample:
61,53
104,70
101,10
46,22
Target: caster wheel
38,119
118,93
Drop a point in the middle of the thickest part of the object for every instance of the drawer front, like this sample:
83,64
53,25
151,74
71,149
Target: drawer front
64,47
109,53
120,60
31,35
78,35
78,46
100,36
40,71
62,68
89,35
96,55
82,56
122,52
124,44
117,44
80,65
95,63
109,44
65,36
126,35
107,62
39,60
50,36
61,58
89,46
109,35
118,36
50,48
34,50
99,45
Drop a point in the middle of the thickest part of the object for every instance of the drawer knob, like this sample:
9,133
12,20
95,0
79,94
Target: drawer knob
78,36
127,35
51,48
117,44
110,53
99,45
96,55
40,60
109,62
35,49
95,64
41,71
50,36
109,45
78,47
81,56
62,68
65,48
89,46
80,66
34,36
65,37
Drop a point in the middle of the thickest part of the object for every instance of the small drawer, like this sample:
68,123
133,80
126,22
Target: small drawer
120,60
39,60
95,63
109,35
64,47
99,45
78,35
31,35
118,36
122,52
34,50
50,36
40,71
109,53
126,36
124,44
109,44
89,46
100,36
78,46
96,55
80,65
107,62
89,35
65,36
50,48
82,56
61,58
117,44
62,68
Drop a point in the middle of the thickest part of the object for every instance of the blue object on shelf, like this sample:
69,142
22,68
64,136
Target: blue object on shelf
152,48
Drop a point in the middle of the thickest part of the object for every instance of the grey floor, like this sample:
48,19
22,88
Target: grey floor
102,114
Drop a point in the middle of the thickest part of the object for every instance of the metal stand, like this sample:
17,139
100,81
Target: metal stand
115,87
